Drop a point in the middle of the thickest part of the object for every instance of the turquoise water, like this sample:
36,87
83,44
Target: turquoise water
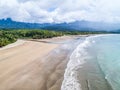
108,56
94,64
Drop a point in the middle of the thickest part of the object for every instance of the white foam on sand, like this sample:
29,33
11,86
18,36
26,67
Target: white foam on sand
77,59
18,42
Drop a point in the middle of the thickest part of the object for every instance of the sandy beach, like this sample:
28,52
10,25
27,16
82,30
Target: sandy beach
31,65
45,64
22,66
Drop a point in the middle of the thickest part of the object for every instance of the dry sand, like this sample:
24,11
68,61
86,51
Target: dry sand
60,39
28,66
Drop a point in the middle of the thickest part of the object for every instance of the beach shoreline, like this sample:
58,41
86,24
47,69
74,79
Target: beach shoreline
33,65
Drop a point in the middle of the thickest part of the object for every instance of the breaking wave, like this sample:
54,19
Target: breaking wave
77,58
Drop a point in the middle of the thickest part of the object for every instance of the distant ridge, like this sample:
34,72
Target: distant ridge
10,24
77,25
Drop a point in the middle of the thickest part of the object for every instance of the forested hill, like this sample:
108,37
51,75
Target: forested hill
10,24
77,25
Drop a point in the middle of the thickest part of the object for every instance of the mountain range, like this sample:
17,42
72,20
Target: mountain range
77,25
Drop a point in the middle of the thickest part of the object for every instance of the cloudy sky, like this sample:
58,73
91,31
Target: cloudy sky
57,11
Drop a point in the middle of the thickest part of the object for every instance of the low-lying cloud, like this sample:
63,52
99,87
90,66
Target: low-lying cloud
57,11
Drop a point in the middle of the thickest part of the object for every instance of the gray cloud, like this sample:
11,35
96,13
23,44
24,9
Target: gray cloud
60,10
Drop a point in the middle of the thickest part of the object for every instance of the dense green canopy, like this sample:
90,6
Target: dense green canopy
10,36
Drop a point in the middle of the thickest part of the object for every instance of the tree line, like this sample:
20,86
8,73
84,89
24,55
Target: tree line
10,36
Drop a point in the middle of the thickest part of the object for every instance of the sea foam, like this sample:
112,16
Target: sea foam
77,59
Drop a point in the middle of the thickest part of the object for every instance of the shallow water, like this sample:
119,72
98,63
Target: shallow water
94,64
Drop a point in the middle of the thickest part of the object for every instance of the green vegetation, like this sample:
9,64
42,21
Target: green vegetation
6,38
10,36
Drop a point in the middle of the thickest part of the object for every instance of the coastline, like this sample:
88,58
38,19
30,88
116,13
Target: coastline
41,64
35,65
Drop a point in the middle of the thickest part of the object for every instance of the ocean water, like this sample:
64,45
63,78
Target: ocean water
94,64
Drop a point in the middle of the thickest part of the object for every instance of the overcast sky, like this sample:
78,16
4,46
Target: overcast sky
58,11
